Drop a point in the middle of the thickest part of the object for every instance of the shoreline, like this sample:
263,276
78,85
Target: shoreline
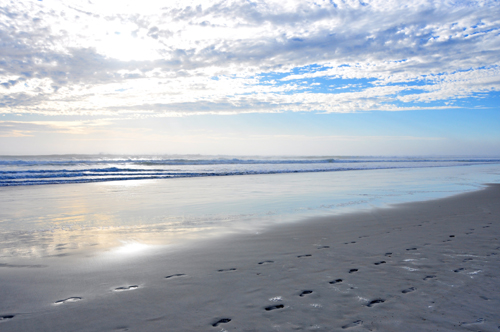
73,219
414,266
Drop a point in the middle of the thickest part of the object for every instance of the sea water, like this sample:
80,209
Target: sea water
66,169
65,205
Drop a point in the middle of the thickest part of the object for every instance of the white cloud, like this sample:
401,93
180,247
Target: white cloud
107,57
23,128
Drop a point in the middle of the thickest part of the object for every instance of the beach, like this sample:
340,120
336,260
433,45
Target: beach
250,166
421,266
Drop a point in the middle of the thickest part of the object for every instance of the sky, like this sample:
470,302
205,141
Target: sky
337,77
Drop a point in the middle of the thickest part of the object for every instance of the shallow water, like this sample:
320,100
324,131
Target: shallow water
67,219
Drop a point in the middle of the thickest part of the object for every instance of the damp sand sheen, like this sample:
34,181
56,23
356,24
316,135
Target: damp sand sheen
422,266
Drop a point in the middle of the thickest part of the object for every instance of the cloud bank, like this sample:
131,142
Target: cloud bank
147,59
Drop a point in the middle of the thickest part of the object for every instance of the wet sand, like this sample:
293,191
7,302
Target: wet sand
425,266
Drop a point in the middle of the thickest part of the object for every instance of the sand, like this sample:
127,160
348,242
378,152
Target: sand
424,266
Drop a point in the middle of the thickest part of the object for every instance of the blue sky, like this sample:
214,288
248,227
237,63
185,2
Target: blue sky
250,77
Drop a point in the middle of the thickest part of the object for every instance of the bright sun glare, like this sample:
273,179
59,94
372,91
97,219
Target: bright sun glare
131,248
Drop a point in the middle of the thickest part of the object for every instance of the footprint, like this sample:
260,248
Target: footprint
452,235
324,247
69,299
226,270
305,292
353,324
5,317
388,254
486,226
175,275
126,288
221,321
378,263
266,262
408,290
273,307
478,321
336,281
377,301
429,277
306,255
411,249
458,270
353,270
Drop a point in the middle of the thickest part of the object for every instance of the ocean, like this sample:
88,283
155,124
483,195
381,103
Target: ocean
65,169
62,206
